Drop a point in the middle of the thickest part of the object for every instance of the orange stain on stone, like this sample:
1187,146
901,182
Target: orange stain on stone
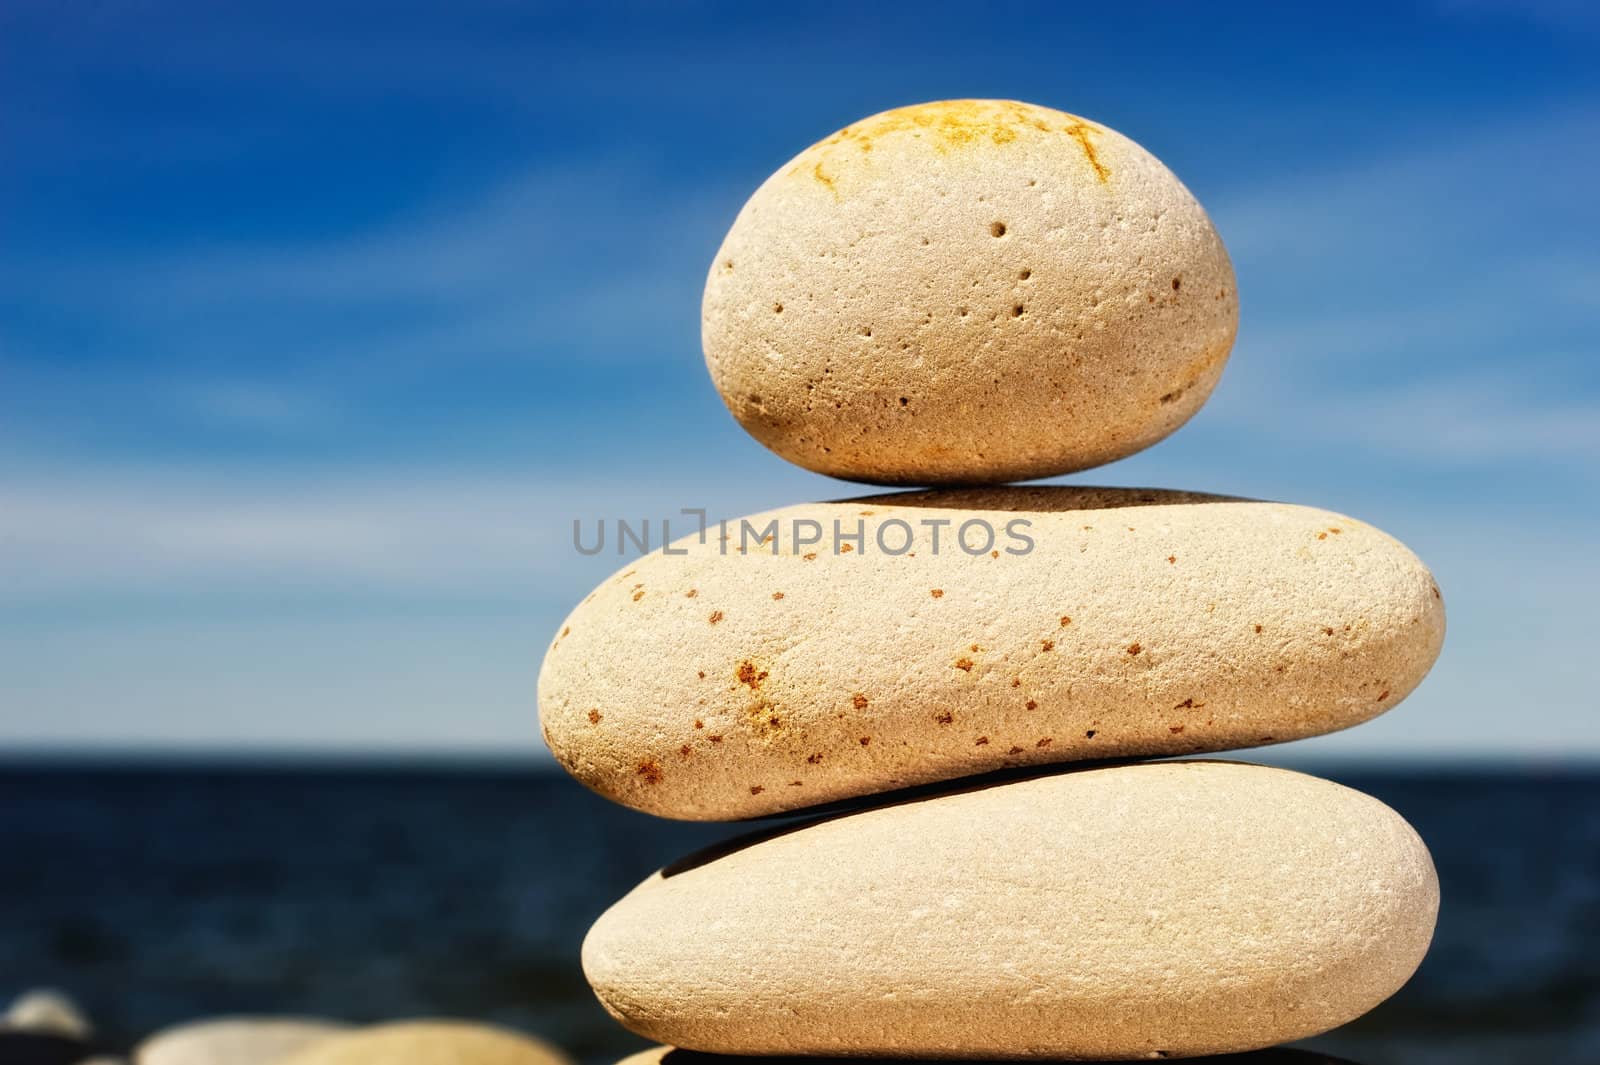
951,126
1080,131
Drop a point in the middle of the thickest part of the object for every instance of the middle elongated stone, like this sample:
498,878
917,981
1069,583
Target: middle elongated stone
843,657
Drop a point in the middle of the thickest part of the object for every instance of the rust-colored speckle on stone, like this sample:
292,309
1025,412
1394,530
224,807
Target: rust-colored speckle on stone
864,740
944,717
859,701
756,789
691,593
638,595
749,676
964,664
845,549
814,759
714,739
1045,742
1383,695
1258,629
776,596
594,717
937,593
1065,621
701,673
1189,704
716,616
685,751
650,770
1134,648
1174,729
698,723
810,556
1089,735
1031,705
1047,645
981,741
1015,750
1172,559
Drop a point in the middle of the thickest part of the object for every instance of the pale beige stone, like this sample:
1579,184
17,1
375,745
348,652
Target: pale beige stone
431,1043
713,686
234,1041
1163,909
46,1011
968,291
662,1055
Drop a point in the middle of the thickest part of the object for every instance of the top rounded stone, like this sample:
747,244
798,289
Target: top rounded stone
968,291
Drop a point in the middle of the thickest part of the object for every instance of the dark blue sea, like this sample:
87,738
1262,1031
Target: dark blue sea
156,895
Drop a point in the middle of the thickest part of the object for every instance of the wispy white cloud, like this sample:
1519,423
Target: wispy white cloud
1561,15
269,406
1434,304
109,531
1483,181
491,273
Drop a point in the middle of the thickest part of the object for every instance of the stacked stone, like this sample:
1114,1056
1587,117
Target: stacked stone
959,295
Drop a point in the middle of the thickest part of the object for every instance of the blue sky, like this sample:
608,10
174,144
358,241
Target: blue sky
319,324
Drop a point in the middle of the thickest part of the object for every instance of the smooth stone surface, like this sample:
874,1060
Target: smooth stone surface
234,1041
968,291
1130,912
430,1043
713,686
672,1056
51,1012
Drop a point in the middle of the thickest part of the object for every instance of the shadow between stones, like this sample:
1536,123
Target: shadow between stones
1272,1056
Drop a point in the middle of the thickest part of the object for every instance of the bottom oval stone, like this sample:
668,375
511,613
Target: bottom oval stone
1163,909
